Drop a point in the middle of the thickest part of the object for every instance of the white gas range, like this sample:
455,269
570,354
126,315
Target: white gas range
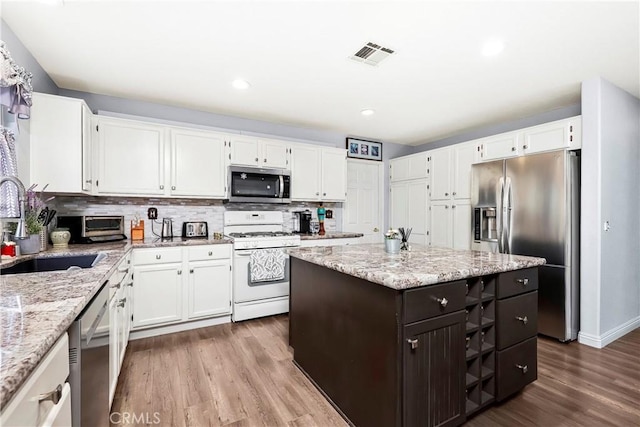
260,264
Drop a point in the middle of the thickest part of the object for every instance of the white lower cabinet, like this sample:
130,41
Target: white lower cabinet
32,404
331,242
209,293
157,294
174,285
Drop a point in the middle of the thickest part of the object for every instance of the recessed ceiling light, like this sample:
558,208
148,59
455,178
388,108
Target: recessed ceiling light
240,84
367,112
492,47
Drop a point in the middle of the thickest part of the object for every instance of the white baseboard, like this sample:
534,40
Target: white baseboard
609,336
179,327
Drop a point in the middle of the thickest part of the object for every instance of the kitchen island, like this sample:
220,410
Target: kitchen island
426,337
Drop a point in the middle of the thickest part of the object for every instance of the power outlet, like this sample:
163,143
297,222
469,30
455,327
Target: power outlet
152,213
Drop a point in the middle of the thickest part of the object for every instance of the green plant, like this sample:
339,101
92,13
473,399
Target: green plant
31,222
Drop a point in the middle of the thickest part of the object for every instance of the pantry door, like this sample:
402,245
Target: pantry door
363,208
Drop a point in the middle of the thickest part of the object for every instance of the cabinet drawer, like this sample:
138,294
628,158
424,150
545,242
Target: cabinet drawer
433,300
206,252
516,367
517,282
157,256
24,408
516,319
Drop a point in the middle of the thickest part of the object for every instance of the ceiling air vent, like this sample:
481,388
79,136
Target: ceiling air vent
372,54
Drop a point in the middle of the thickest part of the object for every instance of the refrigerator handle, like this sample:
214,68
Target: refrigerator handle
499,200
507,213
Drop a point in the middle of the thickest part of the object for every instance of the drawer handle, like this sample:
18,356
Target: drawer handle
413,344
443,302
523,368
130,283
158,256
115,286
179,272
210,253
122,302
53,396
523,319
191,271
523,282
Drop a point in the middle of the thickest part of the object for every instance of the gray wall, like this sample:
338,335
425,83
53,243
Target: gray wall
549,116
41,80
610,267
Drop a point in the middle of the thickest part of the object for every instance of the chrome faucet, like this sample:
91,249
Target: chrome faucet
21,230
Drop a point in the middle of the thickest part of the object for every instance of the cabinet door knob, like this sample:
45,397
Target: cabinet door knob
446,194
446,206
324,194
525,146
454,193
453,206
413,343
256,159
265,160
210,253
513,148
317,193
443,302
179,272
158,256
523,282
191,271
524,319
162,187
523,368
54,395
173,187
122,302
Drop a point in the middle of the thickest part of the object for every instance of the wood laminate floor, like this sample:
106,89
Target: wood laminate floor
242,374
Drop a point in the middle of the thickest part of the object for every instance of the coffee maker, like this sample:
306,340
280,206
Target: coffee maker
302,222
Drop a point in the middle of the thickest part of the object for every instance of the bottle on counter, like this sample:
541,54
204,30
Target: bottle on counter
137,228
321,214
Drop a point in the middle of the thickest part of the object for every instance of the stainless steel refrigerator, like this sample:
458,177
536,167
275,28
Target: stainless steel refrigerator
530,205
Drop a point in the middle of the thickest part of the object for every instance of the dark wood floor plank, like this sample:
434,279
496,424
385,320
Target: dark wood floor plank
242,375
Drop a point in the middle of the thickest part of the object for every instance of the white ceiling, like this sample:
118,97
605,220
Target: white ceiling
295,55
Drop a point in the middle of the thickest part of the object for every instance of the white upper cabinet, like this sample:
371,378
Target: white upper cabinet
558,135
259,152
451,171
60,144
198,163
500,147
318,173
333,178
168,161
552,136
409,167
131,157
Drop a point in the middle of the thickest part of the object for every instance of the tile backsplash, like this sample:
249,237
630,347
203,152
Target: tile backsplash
179,210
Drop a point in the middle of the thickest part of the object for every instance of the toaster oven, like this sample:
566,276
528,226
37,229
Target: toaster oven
93,229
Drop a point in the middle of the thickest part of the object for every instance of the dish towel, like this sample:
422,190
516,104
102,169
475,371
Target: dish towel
267,265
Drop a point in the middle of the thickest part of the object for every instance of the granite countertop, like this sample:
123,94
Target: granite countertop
421,266
330,235
37,308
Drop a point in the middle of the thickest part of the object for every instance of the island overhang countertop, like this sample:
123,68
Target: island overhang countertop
421,266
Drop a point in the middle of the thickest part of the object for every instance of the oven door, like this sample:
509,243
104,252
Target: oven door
245,290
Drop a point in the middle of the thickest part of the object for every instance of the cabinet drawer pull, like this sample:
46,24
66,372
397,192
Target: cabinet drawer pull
210,253
524,319
53,396
179,272
158,256
523,282
443,302
523,368
413,344
115,286
88,181
122,302
191,271
265,160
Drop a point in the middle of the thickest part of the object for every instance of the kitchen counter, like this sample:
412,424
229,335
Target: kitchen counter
409,269
37,308
331,235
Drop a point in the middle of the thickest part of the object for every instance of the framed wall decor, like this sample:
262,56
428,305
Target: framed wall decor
361,149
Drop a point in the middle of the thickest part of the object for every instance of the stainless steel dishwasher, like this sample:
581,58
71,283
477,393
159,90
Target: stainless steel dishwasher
89,363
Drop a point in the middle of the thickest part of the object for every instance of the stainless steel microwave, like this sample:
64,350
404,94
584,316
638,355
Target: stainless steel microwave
256,185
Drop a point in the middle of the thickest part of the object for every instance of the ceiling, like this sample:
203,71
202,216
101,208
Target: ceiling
295,55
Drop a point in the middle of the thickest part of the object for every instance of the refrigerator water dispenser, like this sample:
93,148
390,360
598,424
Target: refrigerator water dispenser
484,224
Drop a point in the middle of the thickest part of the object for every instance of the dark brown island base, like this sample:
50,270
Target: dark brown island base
421,338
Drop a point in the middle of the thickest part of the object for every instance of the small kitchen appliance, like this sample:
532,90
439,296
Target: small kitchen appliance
303,222
93,229
195,229
167,228
256,234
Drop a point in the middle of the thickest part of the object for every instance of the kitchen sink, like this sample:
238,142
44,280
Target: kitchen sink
38,265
